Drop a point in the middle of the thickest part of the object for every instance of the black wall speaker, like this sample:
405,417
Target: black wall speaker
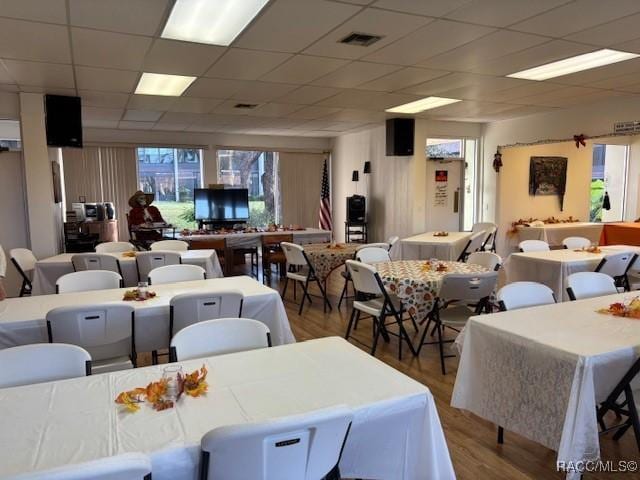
400,136
356,208
63,120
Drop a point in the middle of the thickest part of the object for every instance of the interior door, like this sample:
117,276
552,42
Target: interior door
444,195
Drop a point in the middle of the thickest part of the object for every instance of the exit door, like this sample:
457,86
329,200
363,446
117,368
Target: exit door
445,195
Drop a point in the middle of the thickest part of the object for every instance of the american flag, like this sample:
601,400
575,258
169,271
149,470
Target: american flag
325,201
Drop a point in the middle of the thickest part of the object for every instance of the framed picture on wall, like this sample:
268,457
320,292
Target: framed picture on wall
548,176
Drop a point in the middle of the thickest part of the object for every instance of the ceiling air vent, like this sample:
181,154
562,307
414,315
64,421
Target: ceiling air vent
247,106
360,39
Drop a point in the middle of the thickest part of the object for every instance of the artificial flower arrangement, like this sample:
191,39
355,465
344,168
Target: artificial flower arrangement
630,309
129,254
547,221
336,246
441,234
135,295
429,267
193,384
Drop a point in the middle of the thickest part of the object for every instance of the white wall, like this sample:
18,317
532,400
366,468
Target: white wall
399,189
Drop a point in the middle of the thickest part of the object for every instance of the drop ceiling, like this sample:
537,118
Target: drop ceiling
290,63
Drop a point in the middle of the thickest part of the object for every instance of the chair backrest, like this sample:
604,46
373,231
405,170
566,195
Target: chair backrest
88,280
365,277
105,331
24,258
189,308
616,264
589,284
533,246
95,261
576,242
392,241
301,447
489,230
488,260
114,247
42,362
475,242
373,255
170,245
277,239
468,286
373,245
219,336
176,273
217,244
294,253
524,294
147,261
129,466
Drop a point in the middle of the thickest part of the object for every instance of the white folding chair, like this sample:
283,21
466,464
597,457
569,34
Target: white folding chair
373,255
450,309
176,273
114,247
106,331
301,447
576,242
189,308
87,281
490,229
127,466
170,245
301,271
582,285
147,261
42,362
96,261
217,337
533,246
373,245
617,266
25,262
488,260
393,245
524,294
474,244
373,299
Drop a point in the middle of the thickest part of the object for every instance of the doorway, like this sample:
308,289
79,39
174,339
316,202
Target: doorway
608,183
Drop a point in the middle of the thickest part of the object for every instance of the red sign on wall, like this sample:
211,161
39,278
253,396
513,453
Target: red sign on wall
441,175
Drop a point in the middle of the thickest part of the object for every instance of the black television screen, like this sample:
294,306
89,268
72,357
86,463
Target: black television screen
63,121
221,205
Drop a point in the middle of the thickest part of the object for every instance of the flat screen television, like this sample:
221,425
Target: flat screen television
221,205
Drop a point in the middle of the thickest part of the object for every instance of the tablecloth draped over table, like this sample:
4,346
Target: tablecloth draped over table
426,245
417,284
249,240
555,233
553,267
540,371
326,259
395,435
22,320
624,233
48,270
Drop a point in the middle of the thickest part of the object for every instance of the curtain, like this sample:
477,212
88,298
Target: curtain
300,184
82,174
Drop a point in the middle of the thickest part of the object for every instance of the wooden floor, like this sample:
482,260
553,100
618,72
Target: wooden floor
471,440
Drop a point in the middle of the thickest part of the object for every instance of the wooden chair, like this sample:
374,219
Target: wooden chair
217,244
272,254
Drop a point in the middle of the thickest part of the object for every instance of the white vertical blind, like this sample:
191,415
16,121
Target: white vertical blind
300,184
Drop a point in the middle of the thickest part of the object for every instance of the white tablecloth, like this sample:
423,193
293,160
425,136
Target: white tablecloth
48,270
22,320
540,371
555,233
249,240
396,433
425,246
552,268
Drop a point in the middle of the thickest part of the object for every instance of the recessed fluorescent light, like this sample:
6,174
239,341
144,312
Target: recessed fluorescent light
162,84
575,64
422,105
217,22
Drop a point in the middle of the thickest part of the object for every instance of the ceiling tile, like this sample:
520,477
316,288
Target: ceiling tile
105,49
457,80
431,8
576,16
106,80
193,105
402,79
615,83
355,74
275,110
41,74
142,115
309,94
182,117
292,25
150,102
48,90
367,100
34,41
246,64
312,112
50,11
555,97
605,35
389,25
99,123
262,91
630,46
93,113
92,98
142,17
181,58
214,88
170,126
500,13
127,125
355,115
303,69
436,37
228,107
525,90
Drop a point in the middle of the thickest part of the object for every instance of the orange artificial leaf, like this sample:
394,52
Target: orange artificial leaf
195,383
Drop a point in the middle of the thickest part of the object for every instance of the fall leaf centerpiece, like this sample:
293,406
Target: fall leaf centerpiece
441,234
630,309
434,267
164,393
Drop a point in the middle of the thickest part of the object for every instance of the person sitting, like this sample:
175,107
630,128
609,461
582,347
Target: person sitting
143,217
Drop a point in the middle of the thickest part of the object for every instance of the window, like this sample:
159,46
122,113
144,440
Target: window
445,148
171,174
608,182
258,172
